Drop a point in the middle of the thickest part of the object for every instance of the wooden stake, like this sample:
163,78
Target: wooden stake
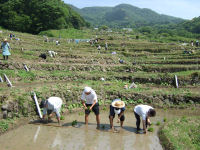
1,80
8,81
176,81
37,105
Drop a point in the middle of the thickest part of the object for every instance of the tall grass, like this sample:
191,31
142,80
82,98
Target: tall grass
182,134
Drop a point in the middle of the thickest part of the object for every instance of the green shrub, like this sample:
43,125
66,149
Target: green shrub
4,125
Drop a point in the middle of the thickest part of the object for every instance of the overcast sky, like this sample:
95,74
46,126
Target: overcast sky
186,9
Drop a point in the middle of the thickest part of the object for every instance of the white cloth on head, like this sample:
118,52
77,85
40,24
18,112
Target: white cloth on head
117,111
87,89
90,99
54,104
142,110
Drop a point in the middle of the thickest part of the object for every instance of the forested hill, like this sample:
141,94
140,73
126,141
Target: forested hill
124,15
33,16
192,25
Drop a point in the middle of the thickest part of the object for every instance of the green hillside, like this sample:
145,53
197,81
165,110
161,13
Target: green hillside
124,15
35,16
192,25
189,28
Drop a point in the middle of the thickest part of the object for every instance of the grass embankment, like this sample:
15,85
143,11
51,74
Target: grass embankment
181,134
66,33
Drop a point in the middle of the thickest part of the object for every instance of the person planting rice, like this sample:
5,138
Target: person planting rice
51,105
117,107
91,104
145,112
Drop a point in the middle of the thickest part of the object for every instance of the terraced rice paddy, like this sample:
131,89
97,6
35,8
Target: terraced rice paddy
150,65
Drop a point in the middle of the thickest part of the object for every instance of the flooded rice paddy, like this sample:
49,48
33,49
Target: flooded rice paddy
65,137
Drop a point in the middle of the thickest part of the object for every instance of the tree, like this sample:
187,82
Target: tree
34,16
103,27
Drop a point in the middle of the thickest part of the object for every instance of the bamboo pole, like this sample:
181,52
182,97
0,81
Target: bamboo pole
176,80
8,81
37,105
1,80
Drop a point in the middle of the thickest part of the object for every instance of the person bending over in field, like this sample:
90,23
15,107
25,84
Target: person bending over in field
91,104
51,106
145,112
117,107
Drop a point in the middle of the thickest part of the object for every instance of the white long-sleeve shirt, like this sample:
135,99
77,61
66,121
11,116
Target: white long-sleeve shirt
89,98
54,104
142,110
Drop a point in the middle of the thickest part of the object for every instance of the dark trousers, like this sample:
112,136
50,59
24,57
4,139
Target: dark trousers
5,57
138,121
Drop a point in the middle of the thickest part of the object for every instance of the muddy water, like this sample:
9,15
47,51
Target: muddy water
51,137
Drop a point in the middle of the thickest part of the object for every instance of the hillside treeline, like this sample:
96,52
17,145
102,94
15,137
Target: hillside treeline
143,20
124,15
192,25
189,28
34,16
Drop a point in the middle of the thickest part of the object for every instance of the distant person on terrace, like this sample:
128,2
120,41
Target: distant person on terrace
106,46
11,36
5,46
90,103
197,43
145,112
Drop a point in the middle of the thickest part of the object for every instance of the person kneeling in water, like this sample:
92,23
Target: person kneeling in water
51,105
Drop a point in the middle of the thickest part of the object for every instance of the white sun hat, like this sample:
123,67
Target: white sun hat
87,89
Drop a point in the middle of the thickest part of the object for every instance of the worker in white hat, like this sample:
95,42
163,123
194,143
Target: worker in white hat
90,103
117,107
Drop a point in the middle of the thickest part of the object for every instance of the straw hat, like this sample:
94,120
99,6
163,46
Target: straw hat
118,104
5,40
